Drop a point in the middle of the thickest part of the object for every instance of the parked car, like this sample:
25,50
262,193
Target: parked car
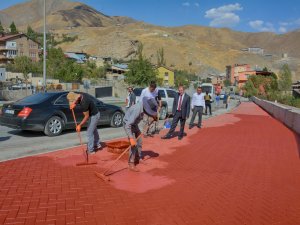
50,113
167,97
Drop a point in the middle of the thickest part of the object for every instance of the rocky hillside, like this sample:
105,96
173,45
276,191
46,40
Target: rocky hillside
197,49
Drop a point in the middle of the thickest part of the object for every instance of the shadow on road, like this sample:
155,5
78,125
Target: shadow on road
5,138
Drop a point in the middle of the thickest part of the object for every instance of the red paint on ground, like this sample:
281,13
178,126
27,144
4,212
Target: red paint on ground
241,168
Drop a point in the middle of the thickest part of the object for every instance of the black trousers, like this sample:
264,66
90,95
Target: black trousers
177,117
208,105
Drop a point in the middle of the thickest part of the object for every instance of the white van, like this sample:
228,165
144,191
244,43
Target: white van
210,88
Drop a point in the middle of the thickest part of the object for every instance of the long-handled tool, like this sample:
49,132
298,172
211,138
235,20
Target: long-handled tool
104,176
85,153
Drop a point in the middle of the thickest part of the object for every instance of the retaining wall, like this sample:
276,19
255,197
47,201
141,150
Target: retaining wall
288,115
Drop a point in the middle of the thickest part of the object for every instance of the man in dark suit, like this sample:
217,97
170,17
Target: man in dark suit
181,112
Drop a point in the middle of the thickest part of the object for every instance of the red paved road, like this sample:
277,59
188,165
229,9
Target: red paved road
241,168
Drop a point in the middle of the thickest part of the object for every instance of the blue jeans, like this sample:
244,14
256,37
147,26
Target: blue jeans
92,133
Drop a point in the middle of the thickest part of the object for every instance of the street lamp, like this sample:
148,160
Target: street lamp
44,48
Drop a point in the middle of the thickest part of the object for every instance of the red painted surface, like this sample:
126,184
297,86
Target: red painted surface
241,168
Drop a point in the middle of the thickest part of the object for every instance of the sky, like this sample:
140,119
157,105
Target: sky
242,15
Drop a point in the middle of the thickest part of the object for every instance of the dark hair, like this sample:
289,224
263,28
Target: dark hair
152,84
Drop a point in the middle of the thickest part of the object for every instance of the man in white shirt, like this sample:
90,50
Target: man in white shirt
151,92
198,104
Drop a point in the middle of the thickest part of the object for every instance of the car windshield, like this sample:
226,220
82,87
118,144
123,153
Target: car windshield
138,91
206,89
34,99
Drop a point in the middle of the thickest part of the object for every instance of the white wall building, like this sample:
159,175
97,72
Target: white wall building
2,74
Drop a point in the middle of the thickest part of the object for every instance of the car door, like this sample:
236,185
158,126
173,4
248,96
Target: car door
104,111
171,96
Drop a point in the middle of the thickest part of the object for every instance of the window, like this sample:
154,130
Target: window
162,93
171,94
62,100
166,74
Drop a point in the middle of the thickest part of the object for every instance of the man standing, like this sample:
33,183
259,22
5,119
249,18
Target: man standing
198,104
207,99
181,112
90,113
132,118
131,98
151,92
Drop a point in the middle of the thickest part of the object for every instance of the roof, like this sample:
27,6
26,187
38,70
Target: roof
121,66
165,68
13,36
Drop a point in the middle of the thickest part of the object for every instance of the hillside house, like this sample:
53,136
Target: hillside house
167,75
117,71
79,57
15,45
232,71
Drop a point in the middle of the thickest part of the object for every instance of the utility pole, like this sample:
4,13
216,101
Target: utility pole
44,48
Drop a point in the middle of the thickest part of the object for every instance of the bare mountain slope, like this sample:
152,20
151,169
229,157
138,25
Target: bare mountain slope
194,48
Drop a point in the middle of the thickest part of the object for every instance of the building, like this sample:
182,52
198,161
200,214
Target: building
101,61
79,57
232,71
117,71
167,75
2,74
254,50
15,45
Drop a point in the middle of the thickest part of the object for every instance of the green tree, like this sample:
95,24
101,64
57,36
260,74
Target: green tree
31,33
13,28
59,67
1,28
141,71
285,78
250,88
160,54
24,64
227,83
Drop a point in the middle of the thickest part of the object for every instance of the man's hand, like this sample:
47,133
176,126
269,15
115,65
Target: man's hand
72,106
78,128
132,142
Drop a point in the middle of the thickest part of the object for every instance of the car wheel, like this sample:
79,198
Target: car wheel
163,113
54,126
117,119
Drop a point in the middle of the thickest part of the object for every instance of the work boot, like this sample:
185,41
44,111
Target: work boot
133,168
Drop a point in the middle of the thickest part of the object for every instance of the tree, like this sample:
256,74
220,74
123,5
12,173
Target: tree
250,89
1,28
160,54
141,71
285,79
24,64
59,67
31,33
13,28
227,83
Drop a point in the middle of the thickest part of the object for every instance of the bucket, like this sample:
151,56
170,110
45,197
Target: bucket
117,147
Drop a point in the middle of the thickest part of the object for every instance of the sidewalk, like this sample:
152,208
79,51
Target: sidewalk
241,168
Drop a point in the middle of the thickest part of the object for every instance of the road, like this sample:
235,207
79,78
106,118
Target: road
17,143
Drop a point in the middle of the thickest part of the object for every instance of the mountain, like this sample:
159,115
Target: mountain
60,14
197,49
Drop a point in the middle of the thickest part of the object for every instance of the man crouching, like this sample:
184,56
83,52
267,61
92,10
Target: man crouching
133,116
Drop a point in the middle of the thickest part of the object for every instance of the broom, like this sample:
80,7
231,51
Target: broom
104,176
71,98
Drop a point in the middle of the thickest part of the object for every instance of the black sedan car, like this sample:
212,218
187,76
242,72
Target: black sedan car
50,113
